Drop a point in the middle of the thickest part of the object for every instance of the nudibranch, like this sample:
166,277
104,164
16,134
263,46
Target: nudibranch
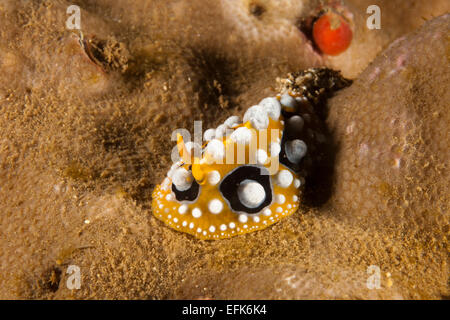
248,174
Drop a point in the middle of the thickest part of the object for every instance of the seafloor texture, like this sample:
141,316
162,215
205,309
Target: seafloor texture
85,137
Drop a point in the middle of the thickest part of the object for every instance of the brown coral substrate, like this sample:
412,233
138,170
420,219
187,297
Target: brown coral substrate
84,138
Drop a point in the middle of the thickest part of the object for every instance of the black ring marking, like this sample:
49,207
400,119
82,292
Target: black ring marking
190,194
230,184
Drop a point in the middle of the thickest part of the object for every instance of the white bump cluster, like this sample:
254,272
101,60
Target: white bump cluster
288,101
220,131
182,179
284,178
209,134
272,107
251,193
257,116
173,168
297,183
216,149
241,135
192,147
232,121
295,150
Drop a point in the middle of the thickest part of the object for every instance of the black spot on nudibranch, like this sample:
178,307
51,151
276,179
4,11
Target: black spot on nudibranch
230,184
190,194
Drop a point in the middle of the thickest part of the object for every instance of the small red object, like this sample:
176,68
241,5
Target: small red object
332,34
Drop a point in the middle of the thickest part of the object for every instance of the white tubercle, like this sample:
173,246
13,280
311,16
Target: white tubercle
196,213
243,218
182,179
272,107
280,198
213,177
288,101
275,149
251,193
257,116
173,167
295,124
241,135
194,148
232,121
216,149
221,131
261,156
295,150
209,134
170,197
284,178
183,209
215,206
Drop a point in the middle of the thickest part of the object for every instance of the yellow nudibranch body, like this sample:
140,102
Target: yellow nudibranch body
246,177
250,173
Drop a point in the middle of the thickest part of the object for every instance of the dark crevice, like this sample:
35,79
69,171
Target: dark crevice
305,25
319,184
256,9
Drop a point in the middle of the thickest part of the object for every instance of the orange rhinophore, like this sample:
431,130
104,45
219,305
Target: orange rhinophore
332,33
